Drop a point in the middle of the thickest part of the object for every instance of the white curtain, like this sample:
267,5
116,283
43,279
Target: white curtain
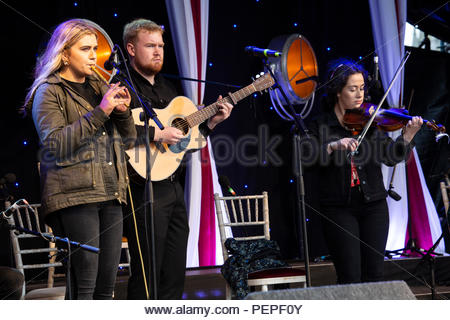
189,28
388,25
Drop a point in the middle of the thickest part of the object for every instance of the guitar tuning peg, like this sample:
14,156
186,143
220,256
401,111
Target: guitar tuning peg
261,73
253,79
257,76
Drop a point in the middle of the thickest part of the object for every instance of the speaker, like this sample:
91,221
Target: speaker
389,290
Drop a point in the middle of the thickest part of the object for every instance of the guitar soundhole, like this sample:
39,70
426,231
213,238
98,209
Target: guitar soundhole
181,124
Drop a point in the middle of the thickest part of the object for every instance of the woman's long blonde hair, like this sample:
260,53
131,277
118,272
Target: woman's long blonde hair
63,38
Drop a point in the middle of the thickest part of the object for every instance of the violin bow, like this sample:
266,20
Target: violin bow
374,114
390,191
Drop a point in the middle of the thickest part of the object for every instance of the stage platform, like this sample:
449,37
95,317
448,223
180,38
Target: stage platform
208,283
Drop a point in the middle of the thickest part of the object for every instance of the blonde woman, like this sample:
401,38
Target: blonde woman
84,127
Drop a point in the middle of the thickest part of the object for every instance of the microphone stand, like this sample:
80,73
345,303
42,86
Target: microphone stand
298,171
51,238
147,114
202,81
55,239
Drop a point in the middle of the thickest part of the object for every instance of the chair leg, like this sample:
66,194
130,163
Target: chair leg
227,291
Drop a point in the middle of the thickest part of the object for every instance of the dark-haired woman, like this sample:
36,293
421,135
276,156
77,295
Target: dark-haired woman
351,189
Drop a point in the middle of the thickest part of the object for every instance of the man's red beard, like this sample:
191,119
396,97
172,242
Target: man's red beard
150,68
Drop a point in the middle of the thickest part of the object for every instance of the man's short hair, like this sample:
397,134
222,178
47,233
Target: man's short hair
130,31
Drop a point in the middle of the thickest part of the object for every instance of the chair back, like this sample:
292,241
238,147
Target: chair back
27,247
243,212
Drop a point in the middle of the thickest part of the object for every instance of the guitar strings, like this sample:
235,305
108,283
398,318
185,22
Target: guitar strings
183,125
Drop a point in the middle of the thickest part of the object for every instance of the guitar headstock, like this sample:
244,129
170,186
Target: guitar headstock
263,82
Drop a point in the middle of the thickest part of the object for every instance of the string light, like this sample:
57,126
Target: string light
216,293
115,15
290,181
328,48
245,186
75,4
25,142
234,25
210,64
295,24
201,294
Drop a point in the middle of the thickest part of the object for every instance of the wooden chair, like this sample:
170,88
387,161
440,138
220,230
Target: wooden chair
244,212
445,189
25,218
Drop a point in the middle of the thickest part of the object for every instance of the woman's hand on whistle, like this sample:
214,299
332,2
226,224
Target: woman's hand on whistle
116,97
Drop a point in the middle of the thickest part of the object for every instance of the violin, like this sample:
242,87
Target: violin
386,119
368,115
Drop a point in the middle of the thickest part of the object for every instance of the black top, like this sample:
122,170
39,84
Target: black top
334,170
86,91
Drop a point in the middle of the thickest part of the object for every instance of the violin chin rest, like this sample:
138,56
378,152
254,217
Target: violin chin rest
440,135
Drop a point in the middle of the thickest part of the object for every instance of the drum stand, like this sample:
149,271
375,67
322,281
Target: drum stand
298,171
426,255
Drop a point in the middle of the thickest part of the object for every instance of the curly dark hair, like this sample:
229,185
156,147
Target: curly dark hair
338,73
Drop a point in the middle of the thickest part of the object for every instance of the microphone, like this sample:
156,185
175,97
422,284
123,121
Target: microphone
225,184
376,78
394,195
25,202
110,63
375,62
14,206
263,53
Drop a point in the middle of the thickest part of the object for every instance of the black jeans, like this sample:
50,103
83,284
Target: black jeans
356,238
96,224
171,235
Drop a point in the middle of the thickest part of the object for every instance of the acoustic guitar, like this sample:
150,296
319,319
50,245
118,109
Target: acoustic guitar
182,114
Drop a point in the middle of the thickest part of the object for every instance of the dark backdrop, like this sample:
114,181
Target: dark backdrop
334,29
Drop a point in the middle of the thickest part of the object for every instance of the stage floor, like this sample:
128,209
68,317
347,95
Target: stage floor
208,283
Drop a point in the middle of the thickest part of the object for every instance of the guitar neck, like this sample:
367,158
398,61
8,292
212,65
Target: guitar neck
207,112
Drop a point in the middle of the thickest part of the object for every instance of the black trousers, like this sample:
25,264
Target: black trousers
356,238
171,235
93,276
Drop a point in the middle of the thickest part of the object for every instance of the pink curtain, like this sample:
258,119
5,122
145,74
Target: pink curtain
388,26
189,27
418,224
